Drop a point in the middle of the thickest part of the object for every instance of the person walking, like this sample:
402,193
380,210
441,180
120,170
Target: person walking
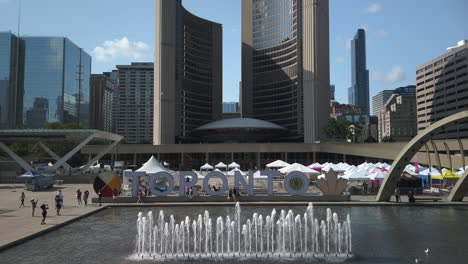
139,194
78,197
58,204
100,198
85,197
33,205
397,194
364,185
60,195
22,197
114,196
44,208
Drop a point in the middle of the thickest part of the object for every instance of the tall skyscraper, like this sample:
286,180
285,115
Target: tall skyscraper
230,107
188,72
332,92
285,65
8,71
53,81
358,93
134,97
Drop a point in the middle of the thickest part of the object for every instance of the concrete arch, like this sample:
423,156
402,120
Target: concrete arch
405,155
458,192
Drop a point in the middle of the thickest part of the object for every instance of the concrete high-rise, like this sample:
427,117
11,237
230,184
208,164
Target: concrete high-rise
286,65
442,89
133,111
397,119
381,98
52,84
188,73
358,93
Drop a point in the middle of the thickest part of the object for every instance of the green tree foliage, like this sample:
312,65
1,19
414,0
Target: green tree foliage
337,129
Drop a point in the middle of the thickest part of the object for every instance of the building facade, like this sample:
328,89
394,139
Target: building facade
133,111
358,93
332,92
53,81
101,102
8,80
230,107
442,89
355,114
379,100
397,120
188,73
285,65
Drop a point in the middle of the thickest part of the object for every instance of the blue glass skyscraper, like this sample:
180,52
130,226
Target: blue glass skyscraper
54,83
358,93
8,64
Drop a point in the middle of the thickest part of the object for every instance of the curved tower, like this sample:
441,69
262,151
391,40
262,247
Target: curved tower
188,73
285,64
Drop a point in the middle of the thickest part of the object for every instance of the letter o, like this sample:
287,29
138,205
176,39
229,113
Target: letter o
170,182
224,188
296,183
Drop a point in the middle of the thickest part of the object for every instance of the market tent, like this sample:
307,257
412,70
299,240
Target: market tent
200,176
298,167
277,164
221,165
153,166
206,167
446,175
257,176
233,165
379,175
315,165
360,175
218,170
29,175
231,172
431,171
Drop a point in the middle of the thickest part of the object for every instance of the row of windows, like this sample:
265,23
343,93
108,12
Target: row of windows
458,54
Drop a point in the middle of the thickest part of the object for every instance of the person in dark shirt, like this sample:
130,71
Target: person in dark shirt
44,208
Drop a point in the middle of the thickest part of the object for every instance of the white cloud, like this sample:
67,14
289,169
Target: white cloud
118,48
340,59
395,75
374,8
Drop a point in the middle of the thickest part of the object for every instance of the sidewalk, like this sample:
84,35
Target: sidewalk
17,223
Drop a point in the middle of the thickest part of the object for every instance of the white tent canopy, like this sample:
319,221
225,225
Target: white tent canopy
315,166
153,166
233,165
277,164
206,167
231,172
218,170
298,167
221,165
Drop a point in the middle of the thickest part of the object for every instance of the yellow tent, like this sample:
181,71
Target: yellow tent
446,175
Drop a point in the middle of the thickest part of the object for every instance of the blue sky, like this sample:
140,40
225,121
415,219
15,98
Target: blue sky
401,34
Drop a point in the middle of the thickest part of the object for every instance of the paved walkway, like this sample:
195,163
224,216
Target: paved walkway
17,223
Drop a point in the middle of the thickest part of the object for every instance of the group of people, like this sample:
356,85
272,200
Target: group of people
58,199
411,198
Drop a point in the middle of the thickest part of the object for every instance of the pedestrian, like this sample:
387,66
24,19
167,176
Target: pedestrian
58,204
44,208
234,194
229,194
22,197
364,185
191,192
85,197
78,197
60,195
33,205
397,194
100,198
139,194
411,197
114,196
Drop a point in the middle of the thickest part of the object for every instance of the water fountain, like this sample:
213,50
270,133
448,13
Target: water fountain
286,236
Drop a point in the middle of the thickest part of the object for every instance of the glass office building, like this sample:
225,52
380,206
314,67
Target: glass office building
8,70
56,82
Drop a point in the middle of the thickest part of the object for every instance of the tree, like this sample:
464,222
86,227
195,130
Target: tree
388,139
337,129
370,139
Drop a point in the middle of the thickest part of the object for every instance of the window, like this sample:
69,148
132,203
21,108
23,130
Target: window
438,62
448,58
428,67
